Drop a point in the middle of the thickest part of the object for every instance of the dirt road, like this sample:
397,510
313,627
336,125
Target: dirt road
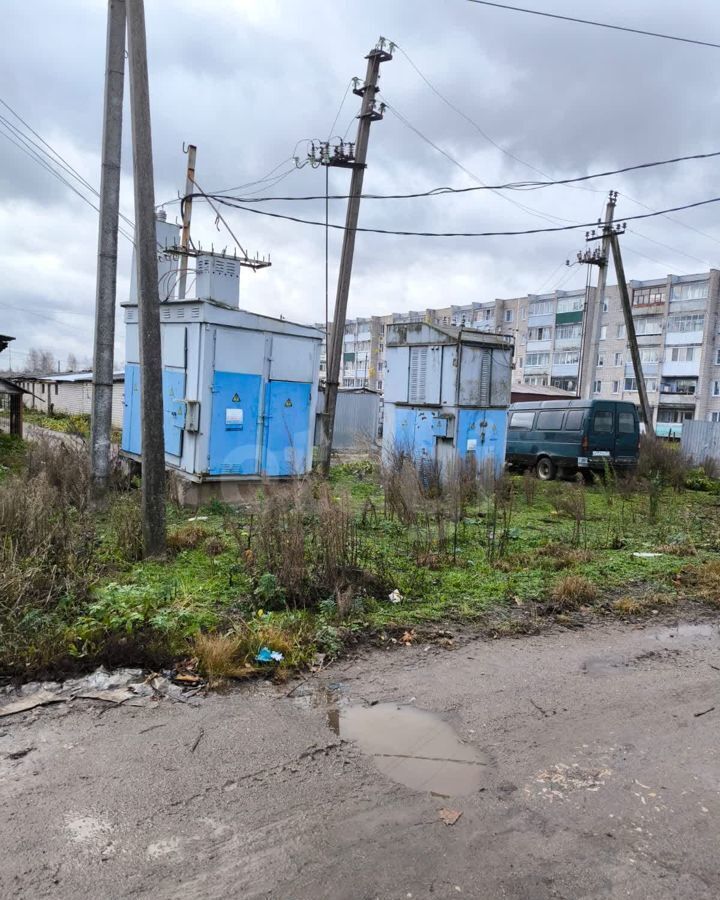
584,765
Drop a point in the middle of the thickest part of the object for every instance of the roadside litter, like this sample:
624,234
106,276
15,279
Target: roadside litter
122,686
449,816
395,597
266,655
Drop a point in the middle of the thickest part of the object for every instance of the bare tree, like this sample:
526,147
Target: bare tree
47,362
72,363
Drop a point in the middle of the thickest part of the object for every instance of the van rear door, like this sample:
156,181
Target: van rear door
601,433
627,438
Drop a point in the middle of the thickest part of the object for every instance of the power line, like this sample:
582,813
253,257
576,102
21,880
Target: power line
557,228
517,185
472,121
548,15
540,215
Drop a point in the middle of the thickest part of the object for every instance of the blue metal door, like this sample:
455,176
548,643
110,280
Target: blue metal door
173,387
131,410
287,424
234,424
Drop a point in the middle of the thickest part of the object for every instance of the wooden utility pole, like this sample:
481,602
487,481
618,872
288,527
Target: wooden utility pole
601,258
187,215
153,441
645,411
594,308
368,115
103,361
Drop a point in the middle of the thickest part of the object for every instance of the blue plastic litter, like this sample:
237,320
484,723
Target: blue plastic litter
266,655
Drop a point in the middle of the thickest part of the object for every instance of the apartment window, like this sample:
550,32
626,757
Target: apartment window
717,357
620,331
619,361
616,387
600,361
716,388
683,354
677,324
568,332
523,312
597,387
650,296
647,325
694,290
537,359
630,384
520,362
541,308
537,380
566,357
649,354
570,304
508,315
605,306
715,417
603,332
542,333
56,388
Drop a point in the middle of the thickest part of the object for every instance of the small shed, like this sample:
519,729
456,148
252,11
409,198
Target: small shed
72,393
356,418
11,407
447,391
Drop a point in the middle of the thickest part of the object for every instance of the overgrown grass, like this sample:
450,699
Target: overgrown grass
303,571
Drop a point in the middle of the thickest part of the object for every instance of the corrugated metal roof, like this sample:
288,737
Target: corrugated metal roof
78,376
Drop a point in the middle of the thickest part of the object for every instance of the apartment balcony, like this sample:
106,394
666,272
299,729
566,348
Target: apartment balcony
683,337
567,343
679,369
683,398
538,346
564,369
650,370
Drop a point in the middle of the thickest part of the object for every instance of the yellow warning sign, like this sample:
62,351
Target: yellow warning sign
235,398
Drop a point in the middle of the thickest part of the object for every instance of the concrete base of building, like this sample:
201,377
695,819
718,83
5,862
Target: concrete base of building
194,494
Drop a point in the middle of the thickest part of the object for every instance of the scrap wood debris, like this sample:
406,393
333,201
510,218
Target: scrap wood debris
449,816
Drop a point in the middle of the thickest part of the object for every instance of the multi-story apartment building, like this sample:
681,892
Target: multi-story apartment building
676,322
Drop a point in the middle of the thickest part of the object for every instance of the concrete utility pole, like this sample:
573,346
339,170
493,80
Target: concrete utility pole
103,362
594,308
645,411
153,440
187,215
368,115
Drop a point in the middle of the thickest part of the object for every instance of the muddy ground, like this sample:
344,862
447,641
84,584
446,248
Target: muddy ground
584,764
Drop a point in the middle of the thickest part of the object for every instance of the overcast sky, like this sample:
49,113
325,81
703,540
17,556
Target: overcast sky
249,81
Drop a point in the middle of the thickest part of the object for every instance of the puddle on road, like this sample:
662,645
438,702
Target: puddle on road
671,638
687,632
412,746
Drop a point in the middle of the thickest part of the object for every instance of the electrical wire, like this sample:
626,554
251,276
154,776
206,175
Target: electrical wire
557,228
53,156
45,165
340,108
474,124
704,262
538,214
627,28
518,185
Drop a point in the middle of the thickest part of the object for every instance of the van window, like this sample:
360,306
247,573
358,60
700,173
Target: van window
626,423
574,420
550,420
603,421
522,419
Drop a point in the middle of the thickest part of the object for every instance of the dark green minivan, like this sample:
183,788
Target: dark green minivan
569,436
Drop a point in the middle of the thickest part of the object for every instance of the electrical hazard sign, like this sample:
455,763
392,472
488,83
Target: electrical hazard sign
236,398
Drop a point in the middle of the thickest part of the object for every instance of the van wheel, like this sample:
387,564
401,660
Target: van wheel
587,475
545,468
